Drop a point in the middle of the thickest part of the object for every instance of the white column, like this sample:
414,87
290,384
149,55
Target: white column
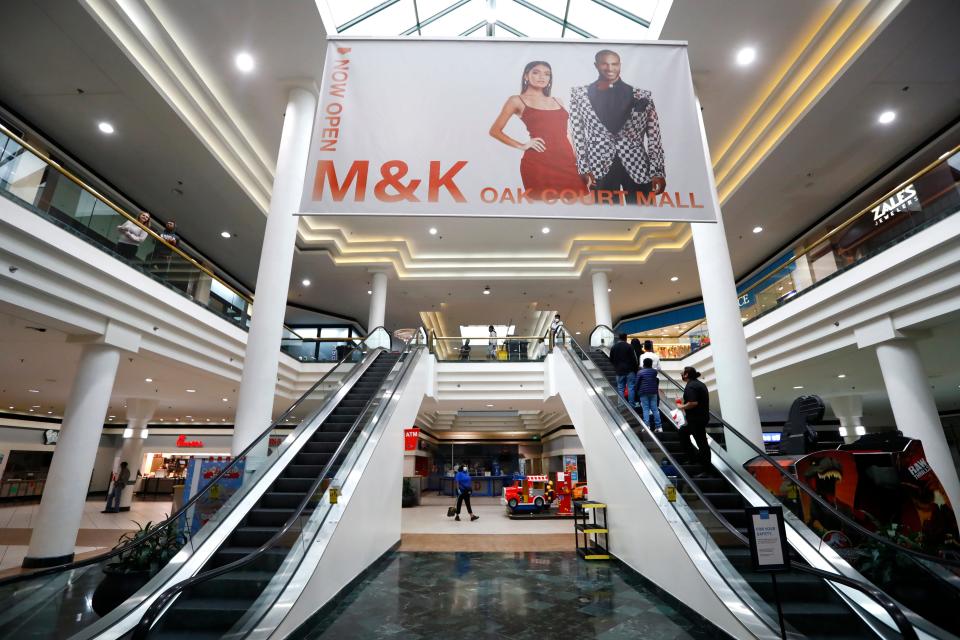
259,382
738,398
849,411
378,300
139,413
915,410
65,493
601,298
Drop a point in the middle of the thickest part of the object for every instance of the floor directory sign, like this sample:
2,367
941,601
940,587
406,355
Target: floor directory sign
768,539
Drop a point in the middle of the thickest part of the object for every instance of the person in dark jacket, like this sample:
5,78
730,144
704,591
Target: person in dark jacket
696,408
625,365
648,388
465,488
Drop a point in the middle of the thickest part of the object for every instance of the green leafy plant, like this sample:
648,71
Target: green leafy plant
152,554
408,489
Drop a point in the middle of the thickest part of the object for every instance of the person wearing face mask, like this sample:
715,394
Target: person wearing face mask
464,488
556,328
132,236
696,408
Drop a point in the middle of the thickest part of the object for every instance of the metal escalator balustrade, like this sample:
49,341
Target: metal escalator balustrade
55,602
239,586
813,608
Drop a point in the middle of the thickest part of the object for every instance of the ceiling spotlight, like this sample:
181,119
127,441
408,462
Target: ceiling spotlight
111,417
305,282
757,229
489,405
674,278
758,397
105,127
486,291
148,379
226,234
369,292
191,390
887,117
10,407
34,390
244,62
842,375
746,56
577,332
433,231
545,230
225,399
799,387
609,290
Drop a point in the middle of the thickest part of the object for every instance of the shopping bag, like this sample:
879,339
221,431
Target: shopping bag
678,418
451,511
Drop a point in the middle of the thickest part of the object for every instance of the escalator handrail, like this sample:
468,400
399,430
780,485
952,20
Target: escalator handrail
918,555
162,526
159,605
886,602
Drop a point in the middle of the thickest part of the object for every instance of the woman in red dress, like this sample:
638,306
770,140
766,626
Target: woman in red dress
548,162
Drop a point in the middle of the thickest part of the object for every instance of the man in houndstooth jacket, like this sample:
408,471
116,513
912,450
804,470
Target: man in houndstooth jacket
616,133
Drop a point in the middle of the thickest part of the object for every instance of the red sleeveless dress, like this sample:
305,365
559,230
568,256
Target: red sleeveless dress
556,167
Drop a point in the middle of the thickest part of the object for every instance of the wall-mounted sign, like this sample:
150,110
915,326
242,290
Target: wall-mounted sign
183,442
410,438
532,130
51,436
896,203
768,539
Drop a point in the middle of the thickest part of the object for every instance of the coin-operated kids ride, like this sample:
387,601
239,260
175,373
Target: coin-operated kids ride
530,494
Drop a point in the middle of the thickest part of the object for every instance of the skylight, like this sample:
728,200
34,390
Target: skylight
575,19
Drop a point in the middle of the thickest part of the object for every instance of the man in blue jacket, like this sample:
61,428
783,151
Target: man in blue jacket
648,388
465,487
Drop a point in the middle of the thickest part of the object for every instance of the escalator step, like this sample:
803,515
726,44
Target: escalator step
247,584
320,447
311,458
281,500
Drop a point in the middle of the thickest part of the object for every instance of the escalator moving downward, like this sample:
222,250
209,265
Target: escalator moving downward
211,608
810,606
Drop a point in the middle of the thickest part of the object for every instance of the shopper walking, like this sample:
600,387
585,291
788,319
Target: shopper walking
116,489
465,488
648,389
696,408
624,362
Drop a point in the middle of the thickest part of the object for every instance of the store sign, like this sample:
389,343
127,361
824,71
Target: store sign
746,299
899,201
508,129
410,438
183,442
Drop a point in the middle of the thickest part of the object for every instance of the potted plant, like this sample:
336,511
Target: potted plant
133,568
409,496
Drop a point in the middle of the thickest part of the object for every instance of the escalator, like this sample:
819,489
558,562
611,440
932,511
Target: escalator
281,470
717,496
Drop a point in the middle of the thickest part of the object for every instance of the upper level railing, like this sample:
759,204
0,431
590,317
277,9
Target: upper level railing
828,250
490,348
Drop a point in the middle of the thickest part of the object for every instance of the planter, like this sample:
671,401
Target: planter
117,586
409,500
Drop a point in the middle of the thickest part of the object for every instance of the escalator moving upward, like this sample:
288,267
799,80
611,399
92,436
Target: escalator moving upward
211,608
810,606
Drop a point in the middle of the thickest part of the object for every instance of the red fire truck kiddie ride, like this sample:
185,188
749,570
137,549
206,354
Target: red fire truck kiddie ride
533,494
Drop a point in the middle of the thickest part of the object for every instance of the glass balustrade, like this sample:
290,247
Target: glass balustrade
825,252
486,349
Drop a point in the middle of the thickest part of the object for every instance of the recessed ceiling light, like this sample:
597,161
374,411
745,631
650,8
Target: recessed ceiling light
105,127
486,291
545,230
887,117
757,229
369,292
49,413
111,417
148,379
842,375
758,397
433,231
34,390
746,56
244,62
674,279
191,390
10,407
799,387
578,333
225,399
226,234
489,405
305,282
609,290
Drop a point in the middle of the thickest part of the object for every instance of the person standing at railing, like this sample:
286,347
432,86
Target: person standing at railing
696,408
163,254
624,362
556,328
132,236
648,389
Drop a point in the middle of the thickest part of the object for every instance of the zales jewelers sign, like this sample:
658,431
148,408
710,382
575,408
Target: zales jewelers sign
902,200
510,129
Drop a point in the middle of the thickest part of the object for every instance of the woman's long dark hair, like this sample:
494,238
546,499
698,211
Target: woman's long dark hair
526,70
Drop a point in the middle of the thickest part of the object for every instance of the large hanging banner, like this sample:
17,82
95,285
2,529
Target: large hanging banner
508,128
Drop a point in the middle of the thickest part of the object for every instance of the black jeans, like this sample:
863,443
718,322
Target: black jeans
464,498
128,251
699,432
618,178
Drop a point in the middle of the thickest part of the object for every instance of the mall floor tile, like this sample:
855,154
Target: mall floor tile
503,596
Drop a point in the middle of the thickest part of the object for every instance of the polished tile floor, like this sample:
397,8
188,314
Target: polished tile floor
503,596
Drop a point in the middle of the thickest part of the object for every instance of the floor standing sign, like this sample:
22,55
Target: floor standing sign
768,548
